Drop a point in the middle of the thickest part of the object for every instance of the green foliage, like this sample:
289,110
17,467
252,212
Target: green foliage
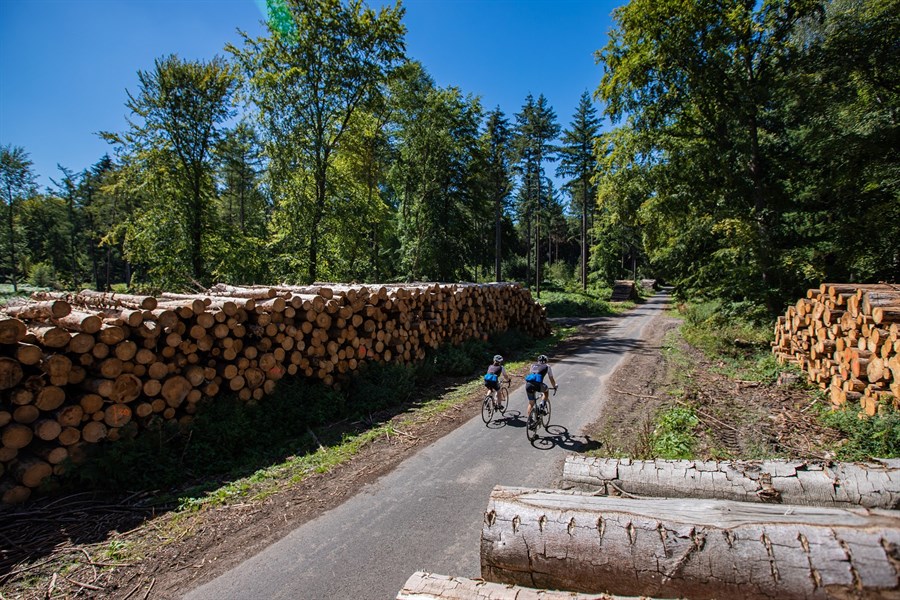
673,437
575,304
43,276
865,438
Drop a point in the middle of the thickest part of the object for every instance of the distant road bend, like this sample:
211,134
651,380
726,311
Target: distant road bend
427,513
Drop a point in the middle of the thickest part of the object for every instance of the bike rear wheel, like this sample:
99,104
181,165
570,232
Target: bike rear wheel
503,399
531,430
546,416
487,408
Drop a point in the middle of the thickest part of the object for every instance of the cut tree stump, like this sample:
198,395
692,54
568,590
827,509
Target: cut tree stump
809,483
698,549
430,586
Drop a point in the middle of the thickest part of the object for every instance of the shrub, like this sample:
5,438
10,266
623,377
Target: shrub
866,438
43,275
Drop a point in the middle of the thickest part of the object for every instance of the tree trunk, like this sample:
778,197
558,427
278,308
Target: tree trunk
699,549
872,485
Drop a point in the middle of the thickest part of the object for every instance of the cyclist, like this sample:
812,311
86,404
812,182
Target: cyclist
492,378
534,383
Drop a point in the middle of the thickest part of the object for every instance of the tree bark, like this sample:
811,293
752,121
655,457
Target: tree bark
430,586
699,549
872,485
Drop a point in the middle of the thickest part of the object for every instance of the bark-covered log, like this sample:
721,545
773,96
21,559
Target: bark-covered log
810,483
430,586
699,549
41,311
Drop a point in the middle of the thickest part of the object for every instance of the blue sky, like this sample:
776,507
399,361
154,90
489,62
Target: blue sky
65,65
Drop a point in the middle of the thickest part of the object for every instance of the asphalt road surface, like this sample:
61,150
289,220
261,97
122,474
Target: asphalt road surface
427,513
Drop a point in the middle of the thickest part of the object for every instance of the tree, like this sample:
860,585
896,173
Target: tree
498,172
700,84
67,189
432,177
181,109
536,130
18,182
577,161
322,62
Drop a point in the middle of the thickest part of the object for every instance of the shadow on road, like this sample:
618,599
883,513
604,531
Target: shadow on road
558,436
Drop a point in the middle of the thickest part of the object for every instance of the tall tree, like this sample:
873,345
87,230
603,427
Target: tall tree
322,62
498,171
536,132
436,139
579,163
181,109
67,188
700,82
18,182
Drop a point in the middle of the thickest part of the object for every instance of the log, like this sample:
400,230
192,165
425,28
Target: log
699,549
12,492
50,336
101,299
16,436
30,470
80,321
10,372
42,310
430,586
816,483
12,330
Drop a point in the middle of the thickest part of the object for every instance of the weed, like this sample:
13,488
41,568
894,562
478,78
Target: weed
673,436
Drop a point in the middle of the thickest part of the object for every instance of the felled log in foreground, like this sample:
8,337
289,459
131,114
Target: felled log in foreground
429,586
872,485
698,549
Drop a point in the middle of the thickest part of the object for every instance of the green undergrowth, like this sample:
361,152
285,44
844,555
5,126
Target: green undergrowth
864,438
673,437
235,450
579,304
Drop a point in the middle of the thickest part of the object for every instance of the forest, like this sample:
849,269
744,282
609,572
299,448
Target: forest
738,150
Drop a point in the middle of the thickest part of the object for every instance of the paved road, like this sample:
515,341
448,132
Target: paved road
427,513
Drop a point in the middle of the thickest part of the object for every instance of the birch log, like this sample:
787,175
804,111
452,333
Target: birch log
698,549
430,586
872,485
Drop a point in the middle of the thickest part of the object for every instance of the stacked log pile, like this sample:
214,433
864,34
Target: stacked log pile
847,339
78,369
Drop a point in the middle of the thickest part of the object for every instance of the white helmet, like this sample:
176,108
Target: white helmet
498,359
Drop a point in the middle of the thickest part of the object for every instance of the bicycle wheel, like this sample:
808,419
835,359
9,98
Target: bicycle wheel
532,432
546,416
487,408
503,399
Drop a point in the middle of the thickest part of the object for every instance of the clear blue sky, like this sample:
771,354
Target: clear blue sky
65,65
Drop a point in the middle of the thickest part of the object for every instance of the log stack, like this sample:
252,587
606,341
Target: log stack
847,339
76,369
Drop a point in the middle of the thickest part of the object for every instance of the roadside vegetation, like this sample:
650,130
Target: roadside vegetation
719,349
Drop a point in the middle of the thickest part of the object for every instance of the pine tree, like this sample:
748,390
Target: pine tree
579,163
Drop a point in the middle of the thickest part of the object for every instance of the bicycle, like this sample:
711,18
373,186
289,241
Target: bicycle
540,417
489,405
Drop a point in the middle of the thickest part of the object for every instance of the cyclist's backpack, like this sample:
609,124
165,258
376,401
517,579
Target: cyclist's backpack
535,378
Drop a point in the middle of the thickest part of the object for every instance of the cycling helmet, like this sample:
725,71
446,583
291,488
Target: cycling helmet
498,359
542,358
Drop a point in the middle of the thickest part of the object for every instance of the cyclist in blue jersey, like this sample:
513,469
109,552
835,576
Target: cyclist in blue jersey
535,383
495,372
